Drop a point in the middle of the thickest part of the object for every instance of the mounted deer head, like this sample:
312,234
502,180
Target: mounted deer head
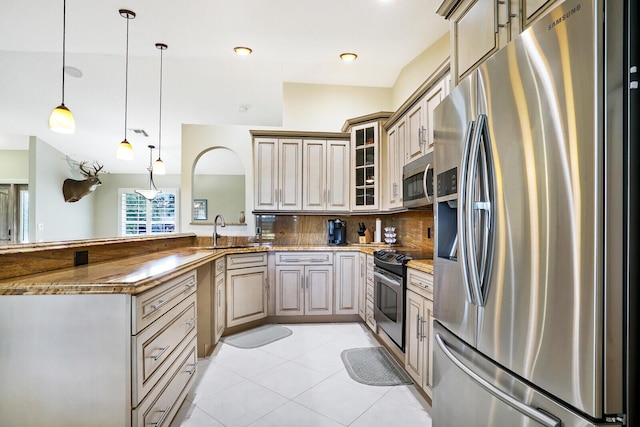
74,190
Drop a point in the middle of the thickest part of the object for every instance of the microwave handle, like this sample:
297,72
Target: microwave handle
424,182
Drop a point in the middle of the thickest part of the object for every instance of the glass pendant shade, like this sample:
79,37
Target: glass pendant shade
124,151
153,191
148,194
61,120
159,168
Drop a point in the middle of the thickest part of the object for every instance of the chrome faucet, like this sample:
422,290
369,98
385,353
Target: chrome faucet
215,228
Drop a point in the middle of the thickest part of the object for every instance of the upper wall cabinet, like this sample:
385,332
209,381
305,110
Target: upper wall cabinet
326,175
479,28
366,135
409,134
301,171
533,9
278,174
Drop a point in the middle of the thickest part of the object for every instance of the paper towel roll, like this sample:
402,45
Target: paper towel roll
378,237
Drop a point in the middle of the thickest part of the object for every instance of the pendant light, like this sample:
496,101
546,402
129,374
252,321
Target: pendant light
158,166
61,120
125,150
153,191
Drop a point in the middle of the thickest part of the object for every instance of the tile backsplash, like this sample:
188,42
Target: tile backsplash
413,228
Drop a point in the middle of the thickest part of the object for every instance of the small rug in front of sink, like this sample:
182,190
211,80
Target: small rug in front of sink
257,337
374,366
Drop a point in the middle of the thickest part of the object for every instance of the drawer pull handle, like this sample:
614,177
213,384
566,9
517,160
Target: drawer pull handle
162,351
192,370
191,284
159,304
192,321
162,417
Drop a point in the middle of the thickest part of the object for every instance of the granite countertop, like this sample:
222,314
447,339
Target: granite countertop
424,265
136,274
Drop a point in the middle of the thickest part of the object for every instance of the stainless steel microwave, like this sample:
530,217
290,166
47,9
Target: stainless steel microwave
417,182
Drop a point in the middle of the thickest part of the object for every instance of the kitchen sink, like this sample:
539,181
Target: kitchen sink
248,245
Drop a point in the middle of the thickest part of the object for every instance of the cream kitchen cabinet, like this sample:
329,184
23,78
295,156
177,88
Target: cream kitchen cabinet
533,9
304,283
419,328
478,29
370,296
219,298
419,136
326,175
247,287
346,282
393,161
277,174
366,139
362,286
98,359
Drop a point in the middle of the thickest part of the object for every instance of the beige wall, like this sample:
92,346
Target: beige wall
196,139
14,166
306,107
418,71
325,107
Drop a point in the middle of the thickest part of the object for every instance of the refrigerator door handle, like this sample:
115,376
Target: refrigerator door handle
462,237
480,165
523,408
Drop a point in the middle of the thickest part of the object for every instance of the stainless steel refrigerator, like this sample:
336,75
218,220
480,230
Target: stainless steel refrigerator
536,166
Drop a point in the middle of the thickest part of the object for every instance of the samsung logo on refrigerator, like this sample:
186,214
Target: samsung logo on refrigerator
564,17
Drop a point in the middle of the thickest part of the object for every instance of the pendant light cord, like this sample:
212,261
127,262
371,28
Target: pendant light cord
160,119
64,42
126,80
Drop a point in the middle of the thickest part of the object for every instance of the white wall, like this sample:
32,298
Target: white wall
50,217
419,69
14,166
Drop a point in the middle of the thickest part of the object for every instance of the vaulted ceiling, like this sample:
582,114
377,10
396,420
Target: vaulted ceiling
204,81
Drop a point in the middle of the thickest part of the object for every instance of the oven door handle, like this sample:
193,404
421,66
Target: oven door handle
387,280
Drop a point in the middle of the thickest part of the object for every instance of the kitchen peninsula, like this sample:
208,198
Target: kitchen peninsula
112,342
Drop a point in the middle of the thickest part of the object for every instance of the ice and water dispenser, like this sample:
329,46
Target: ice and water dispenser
447,213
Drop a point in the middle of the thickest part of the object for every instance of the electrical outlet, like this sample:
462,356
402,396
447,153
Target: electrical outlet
80,258
258,231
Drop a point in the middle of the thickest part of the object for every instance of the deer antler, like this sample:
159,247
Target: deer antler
84,171
97,167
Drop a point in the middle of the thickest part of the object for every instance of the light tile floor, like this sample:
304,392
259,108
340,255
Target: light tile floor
297,381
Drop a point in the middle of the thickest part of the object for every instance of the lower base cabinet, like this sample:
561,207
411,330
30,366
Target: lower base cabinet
419,329
98,360
219,289
247,287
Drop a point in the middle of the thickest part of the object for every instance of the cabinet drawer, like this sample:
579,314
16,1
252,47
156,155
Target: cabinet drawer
164,401
220,266
420,282
158,346
370,291
304,258
246,260
151,305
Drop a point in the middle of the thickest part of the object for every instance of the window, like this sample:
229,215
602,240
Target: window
139,216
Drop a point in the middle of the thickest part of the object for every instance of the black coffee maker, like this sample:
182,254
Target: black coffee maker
337,231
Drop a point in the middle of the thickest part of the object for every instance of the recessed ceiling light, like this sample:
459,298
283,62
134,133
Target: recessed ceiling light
348,57
241,50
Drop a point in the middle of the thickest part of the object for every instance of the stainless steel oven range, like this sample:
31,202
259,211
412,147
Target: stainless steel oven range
390,292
